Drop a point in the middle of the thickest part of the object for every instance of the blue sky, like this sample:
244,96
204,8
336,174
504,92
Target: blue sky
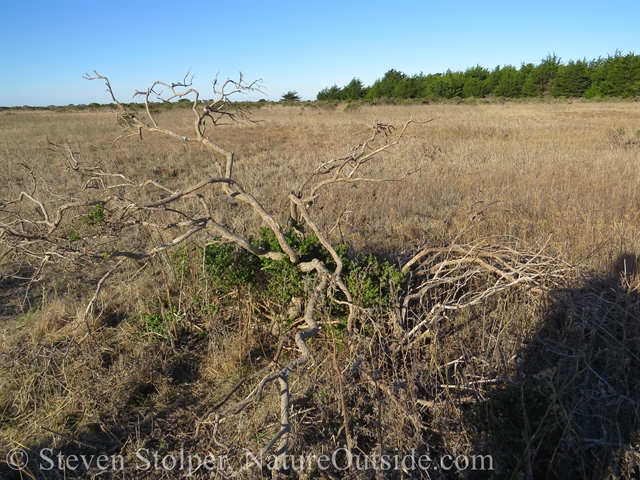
47,45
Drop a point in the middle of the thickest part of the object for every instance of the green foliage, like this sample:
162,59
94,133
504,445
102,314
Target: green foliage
74,237
384,86
475,83
623,76
330,94
230,266
509,84
539,80
307,246
154,325
354,90
373,280
290,96
573,80
95,215
449,85
615,76
407,87
284,280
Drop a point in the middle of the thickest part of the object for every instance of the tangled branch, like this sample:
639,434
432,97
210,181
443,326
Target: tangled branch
460,276
115,203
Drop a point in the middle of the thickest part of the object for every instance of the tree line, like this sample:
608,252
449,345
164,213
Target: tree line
616,75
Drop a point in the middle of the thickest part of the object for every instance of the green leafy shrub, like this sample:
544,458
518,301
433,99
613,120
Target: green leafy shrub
284,280
155,325
373,280
230,266
180,259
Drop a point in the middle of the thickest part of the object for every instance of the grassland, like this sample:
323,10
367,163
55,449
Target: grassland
560,172
543,380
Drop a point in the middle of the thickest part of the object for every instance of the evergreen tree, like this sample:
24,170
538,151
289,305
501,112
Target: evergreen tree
353,91
623,76
290,96
448,85
329,94
617,75
384,86
406,88
573,80
598,70
493,79
510,83
540,80
475,82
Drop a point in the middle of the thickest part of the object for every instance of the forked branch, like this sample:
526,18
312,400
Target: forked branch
118,204
345,169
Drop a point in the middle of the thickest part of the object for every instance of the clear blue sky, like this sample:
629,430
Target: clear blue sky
47,45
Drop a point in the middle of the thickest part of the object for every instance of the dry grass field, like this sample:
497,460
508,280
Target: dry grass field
560,173
541,375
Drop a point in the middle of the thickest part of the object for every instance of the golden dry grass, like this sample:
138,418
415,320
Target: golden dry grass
563,175
563,172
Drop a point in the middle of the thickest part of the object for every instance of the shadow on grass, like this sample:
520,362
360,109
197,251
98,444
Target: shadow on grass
148,447
572,410
143,409
575,410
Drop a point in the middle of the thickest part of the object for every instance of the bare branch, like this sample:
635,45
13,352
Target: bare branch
344,170
92,302
95,228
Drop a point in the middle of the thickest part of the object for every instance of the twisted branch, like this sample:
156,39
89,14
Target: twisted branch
443,279
116,208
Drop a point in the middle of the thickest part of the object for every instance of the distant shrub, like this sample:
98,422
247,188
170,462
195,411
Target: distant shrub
290,96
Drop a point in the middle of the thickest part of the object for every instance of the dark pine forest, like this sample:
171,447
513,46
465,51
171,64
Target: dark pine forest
616,75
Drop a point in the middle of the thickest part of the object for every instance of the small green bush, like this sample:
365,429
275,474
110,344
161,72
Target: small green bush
230,266
373,280
95,215
284,280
